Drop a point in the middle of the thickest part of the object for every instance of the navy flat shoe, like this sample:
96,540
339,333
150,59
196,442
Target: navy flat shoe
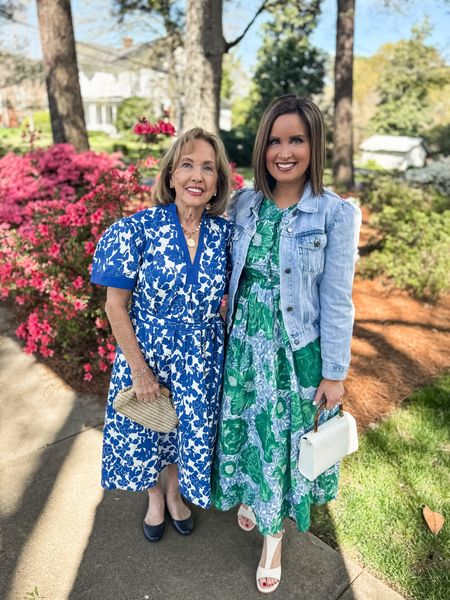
184,527
153,533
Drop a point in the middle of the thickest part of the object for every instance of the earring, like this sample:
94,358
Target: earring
208,206
215,193
171,185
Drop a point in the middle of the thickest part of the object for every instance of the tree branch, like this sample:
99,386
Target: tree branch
229,45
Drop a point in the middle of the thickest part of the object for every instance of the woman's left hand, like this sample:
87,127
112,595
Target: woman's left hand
333,391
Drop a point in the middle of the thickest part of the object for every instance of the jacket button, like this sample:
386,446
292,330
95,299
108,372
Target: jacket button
287,270
296,341
289,309
289,229
316,243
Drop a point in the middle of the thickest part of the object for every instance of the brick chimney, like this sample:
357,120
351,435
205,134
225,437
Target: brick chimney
127,42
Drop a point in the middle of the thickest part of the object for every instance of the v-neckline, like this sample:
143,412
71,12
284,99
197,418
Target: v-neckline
192,266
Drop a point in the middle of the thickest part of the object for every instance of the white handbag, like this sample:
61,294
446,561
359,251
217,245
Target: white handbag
326,445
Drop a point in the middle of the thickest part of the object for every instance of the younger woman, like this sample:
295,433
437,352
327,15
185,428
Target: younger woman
290,318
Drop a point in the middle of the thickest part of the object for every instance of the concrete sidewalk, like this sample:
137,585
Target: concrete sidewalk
64,535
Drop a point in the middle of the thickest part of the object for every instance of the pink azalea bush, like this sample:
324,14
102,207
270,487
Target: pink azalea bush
54,206
237,178
57,173
144,127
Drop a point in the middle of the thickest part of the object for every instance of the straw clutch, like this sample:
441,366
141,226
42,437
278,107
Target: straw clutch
158,415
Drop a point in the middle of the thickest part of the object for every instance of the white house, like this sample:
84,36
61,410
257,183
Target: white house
395,152
108,76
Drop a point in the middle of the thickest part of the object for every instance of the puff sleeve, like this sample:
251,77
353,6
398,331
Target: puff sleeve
118,255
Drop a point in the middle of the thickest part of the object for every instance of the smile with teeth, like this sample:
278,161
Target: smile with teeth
285,166
196,191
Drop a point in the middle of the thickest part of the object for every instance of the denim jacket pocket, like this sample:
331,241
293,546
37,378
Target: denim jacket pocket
310,248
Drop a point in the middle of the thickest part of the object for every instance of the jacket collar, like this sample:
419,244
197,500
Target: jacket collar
255,202
308,203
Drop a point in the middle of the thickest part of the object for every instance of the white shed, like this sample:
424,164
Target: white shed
394,151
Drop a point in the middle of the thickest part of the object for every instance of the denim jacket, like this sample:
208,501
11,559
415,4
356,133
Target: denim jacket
318,248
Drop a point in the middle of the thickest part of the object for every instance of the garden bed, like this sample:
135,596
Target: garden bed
399,344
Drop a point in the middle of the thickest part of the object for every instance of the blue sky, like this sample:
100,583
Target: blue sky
374,26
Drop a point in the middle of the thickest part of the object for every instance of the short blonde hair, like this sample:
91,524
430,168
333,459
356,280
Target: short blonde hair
311,115
162,192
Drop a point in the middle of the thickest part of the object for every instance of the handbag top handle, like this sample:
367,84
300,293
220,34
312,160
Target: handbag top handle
321,408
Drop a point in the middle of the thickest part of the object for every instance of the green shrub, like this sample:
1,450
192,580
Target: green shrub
415,251
414,223
130,110
239,145
373,165
380,191
438,138
436,174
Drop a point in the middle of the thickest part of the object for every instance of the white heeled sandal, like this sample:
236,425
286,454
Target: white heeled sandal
265,572
246,513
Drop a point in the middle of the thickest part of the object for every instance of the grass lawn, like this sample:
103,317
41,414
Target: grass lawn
402,465
11,141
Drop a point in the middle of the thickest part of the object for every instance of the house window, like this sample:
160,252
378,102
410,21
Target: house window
99,114
109,116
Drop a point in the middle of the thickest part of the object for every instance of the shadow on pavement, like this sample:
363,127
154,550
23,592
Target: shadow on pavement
218,561
18,526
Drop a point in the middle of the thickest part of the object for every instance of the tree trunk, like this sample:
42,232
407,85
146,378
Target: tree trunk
175,83
205,47
343,96
61,73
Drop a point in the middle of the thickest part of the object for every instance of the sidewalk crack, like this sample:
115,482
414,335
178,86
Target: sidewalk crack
351,582
72,435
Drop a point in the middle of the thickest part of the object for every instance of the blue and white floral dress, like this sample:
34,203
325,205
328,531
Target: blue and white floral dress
174,312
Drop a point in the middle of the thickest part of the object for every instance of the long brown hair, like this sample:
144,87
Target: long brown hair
164,194
311,115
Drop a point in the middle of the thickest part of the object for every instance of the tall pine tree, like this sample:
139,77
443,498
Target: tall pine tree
287,62
343,174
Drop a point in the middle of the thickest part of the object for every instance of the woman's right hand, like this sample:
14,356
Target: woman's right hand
146,387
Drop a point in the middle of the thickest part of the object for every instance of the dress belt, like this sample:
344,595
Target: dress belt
152,319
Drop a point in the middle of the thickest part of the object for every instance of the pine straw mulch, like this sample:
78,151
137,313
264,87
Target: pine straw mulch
399,344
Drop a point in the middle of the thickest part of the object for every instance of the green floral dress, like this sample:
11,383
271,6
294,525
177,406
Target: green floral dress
267,399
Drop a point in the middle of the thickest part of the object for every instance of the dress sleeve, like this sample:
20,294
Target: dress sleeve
118,255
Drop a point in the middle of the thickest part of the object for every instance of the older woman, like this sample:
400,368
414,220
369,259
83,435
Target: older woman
165,269
291,317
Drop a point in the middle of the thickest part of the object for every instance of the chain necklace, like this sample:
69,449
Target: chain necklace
190,235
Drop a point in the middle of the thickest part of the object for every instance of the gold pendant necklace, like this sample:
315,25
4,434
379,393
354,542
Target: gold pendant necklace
190,235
